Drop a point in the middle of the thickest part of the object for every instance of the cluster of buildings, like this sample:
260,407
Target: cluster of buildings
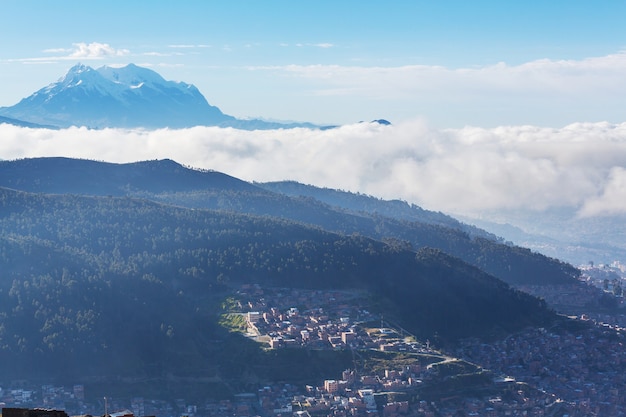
585,368
50,396
610,278
315,329
605,287
370,396
342,323
337,325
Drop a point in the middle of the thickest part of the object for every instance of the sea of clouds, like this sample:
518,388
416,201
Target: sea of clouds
459,171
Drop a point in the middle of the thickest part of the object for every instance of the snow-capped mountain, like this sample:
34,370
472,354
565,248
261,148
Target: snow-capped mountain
128,97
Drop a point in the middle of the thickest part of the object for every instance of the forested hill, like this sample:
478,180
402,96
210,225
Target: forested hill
392,221
361,203
118,285
79,176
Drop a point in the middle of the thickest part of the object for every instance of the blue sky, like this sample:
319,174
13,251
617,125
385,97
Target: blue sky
451,63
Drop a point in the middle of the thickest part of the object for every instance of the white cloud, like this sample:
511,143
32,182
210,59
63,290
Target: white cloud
96,50
56,51
80,50
543,92
323,45
580,166
545,76
159,54
612,200
189,46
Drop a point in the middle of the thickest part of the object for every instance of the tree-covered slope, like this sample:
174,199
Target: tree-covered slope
106,285
360,203
79,176
168,182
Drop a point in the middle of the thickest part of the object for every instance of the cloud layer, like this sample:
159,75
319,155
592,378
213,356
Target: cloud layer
463,171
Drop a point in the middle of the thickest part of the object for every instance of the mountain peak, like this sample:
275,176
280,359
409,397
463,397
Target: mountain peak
76,75
129,96
78,68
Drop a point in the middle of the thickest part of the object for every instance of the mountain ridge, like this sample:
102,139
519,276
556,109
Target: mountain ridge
125,97
22,123
168,182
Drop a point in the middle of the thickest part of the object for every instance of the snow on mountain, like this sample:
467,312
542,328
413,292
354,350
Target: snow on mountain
130,96
78,76
134,77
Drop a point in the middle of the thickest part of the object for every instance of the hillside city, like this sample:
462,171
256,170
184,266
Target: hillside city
160,257
577,371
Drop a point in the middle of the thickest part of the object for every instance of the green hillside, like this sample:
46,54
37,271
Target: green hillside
123,286
392,221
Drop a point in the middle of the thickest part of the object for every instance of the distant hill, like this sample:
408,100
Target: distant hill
22,123
361,203
562,232
391,221
126,97
58,175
